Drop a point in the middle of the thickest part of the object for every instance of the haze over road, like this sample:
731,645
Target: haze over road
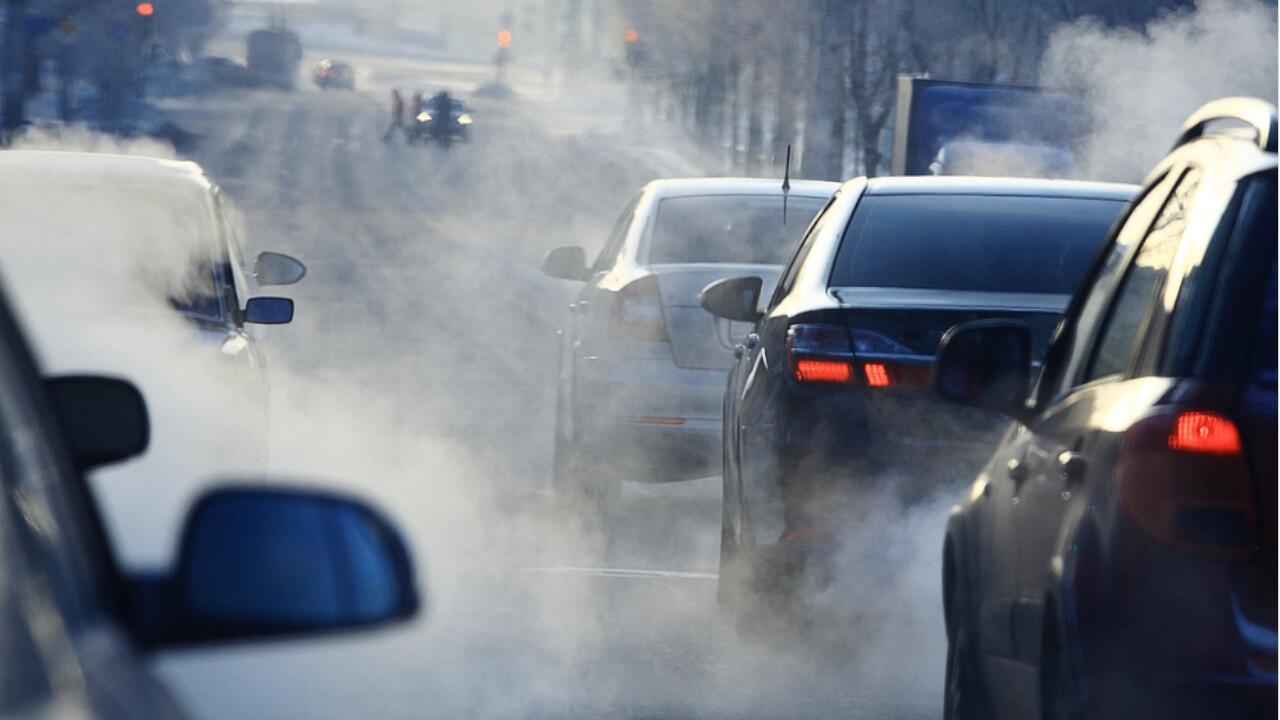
420,370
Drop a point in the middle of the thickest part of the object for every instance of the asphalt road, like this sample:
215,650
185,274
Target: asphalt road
419,372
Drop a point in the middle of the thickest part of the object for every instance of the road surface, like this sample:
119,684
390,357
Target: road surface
419,372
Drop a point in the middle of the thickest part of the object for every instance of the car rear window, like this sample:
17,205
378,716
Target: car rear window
986,243
729,228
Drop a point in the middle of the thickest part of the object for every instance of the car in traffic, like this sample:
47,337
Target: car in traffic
255,562
428,125
829,396
150,267
642,366
330,73
1116,558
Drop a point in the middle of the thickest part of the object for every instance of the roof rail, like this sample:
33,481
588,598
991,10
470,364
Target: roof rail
1257,114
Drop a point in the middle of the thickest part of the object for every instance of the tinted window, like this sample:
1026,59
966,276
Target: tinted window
729,228
1124,333
972,242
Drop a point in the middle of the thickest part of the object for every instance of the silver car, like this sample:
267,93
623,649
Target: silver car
642,368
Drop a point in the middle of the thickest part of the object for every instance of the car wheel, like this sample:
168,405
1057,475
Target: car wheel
964,699
581,476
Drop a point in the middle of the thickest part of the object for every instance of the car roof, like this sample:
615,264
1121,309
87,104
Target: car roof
683,187
962,185
70,168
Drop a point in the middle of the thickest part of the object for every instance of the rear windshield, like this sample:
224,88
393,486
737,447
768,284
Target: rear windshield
985,243
729,228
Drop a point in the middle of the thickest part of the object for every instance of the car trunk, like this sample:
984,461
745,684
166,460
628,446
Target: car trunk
700,340
896,333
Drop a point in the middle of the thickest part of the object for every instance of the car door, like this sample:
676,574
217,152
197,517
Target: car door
997,511
1073,437
61,649
761,375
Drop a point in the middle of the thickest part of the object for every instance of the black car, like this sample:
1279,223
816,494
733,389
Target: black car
254,562
830,394
1116,558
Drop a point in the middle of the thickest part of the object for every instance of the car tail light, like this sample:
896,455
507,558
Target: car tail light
1181,475
883,374
637,311
820,353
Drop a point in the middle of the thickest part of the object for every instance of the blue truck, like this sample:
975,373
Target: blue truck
945,127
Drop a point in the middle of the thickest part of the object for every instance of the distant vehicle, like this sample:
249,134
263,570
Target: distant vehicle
642,366
79,632
829,396
1116,558
945,127
226,72
274,54
428,127
330,73
144,215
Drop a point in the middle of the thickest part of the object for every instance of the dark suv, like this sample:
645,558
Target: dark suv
1117,556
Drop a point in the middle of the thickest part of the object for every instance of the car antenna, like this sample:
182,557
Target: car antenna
786,184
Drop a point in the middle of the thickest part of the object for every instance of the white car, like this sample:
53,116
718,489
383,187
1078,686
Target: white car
642,371
132,267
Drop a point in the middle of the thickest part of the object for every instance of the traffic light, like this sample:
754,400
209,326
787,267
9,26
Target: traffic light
630,36
504,39
145,9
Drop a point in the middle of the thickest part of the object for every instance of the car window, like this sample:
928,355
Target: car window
985,243
746,229
802,251
1076,330
201,295
1125,329
617,237
1262,371
1250,215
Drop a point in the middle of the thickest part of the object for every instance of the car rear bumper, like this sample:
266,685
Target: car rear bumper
660,422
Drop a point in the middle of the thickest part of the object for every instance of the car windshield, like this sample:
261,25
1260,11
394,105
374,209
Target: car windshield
985,243
729,228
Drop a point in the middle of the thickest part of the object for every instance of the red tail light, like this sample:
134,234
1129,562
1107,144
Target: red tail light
1182,477
877,374
820,353
637,311
836,371
1204,432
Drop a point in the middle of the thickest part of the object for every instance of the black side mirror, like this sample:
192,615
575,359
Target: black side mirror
273,268
987,364
258,562
566,263
269,311
104,419
735,298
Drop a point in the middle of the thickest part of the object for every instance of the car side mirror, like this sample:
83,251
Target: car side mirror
735,298
566,263
273,268
269,311
986,364
258,562
104,420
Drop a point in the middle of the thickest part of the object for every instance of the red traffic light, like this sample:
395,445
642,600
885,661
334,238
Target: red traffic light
630,35
504,38
145,9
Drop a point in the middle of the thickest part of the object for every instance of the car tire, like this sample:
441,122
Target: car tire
963,696
580,476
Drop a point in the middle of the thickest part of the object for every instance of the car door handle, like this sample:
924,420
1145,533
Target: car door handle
1071,466
752,341
738,350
